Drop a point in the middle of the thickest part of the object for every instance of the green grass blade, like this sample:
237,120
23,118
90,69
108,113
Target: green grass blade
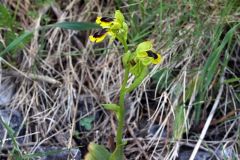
6,18
63,25
14,44
16,150
210,68
179,126
81,26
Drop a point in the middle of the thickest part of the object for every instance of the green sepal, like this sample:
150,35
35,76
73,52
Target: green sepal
144,46
137,69
119,16
97,152
119,20
125,31
120,27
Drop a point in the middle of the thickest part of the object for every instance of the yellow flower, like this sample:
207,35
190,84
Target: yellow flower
146,55
98,36
105,22
150,56
114,27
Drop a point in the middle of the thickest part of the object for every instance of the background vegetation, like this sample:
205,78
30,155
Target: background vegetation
189,104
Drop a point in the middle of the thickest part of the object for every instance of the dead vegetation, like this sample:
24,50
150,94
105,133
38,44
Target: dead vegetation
60,78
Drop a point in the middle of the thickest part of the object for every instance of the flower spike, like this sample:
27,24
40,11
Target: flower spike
116,28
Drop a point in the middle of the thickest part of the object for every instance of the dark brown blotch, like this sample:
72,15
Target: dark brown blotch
106,19
100,33
152,54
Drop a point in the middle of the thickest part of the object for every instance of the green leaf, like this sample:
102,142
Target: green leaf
75,25
212,65
12,135
10,36
213,60
97,152
179,126
87,122
6,18
14,44
112,107
138,79
191,87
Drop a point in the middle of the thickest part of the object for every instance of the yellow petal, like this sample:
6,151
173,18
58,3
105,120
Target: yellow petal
98,20
158,60
97,39
104,24
92,39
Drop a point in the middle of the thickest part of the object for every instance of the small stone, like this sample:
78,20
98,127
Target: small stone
226,153
201,155
6,92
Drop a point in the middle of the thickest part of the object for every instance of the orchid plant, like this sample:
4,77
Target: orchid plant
135,63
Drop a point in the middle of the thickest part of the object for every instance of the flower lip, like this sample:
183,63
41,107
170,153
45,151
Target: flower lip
152,54
106,19
100,33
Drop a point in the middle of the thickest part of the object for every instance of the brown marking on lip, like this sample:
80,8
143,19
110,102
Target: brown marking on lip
152,54
106,19
100,33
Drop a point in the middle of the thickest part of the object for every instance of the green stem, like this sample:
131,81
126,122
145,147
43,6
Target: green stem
125,46
120,144
119,148
121,116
